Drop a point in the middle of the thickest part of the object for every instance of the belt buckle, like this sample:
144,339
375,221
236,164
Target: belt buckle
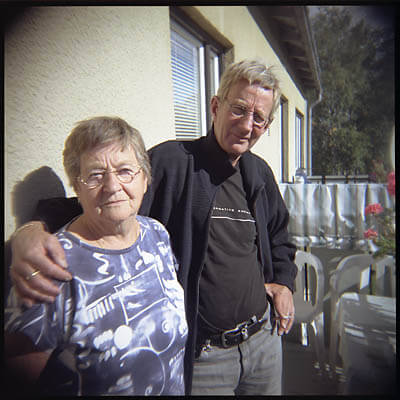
242,329
223,338
244,333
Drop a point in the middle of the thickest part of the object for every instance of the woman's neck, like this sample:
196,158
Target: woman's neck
100,234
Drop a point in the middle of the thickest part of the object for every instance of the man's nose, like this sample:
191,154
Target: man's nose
246,121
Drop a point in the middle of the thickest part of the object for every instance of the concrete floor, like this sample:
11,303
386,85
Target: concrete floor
301,374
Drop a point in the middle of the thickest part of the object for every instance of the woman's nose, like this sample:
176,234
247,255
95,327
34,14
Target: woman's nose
111,182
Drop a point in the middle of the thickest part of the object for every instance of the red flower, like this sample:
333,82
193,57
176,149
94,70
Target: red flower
375,208
370,234
391,180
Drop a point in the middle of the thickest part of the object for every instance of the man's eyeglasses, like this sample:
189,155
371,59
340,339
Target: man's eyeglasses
124,175
239,112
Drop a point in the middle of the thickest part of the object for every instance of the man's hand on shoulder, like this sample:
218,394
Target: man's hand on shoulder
37,259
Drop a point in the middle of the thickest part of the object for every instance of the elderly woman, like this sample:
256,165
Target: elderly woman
119,326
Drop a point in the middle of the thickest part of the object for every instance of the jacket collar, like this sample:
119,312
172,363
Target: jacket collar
252,180
216,162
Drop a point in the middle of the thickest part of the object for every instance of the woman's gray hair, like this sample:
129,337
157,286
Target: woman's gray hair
98,131
254,72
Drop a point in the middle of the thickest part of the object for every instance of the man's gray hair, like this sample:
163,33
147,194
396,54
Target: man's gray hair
254,72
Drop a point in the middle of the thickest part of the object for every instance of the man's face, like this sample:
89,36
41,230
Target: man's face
234,134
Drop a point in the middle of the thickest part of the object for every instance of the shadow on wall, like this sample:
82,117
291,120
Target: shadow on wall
11,16
43,183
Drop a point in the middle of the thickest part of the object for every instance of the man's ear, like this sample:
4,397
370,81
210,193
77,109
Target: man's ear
268,125
214,106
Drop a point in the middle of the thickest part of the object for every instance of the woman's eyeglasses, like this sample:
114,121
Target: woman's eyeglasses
124,175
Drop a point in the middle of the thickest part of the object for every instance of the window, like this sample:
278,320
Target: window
299,126
284,112
196,68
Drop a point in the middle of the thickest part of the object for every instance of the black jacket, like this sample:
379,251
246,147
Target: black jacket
186,176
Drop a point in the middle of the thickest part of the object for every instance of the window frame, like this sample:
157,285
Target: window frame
284,133
299,139
209,70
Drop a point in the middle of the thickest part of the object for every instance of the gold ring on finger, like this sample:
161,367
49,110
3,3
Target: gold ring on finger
33,274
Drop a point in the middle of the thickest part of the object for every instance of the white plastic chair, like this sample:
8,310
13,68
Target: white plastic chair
351,275
386,276
308,301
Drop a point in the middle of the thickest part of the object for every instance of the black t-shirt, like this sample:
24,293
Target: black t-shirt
232,284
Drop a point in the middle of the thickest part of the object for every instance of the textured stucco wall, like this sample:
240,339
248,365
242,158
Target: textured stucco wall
64,64
238,26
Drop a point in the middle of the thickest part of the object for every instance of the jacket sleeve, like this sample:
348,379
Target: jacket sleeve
56,212
168,177
282,250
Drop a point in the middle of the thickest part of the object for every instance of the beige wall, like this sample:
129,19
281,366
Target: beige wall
238,26
64,64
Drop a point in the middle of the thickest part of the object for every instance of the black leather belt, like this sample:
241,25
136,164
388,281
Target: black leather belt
232,337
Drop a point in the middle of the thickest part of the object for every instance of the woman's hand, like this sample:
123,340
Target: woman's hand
33,250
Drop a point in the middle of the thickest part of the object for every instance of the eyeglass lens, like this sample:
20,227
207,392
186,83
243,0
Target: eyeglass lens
240,112
124,175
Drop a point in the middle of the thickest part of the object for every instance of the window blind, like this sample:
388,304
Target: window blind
186,86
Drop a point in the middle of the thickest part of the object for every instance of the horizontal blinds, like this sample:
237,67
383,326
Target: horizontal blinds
185,79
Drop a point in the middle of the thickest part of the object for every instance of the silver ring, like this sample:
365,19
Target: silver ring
33,274
287,316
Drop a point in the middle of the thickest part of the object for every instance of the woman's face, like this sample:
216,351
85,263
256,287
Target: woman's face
112,201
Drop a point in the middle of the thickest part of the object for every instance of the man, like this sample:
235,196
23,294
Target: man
228,227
